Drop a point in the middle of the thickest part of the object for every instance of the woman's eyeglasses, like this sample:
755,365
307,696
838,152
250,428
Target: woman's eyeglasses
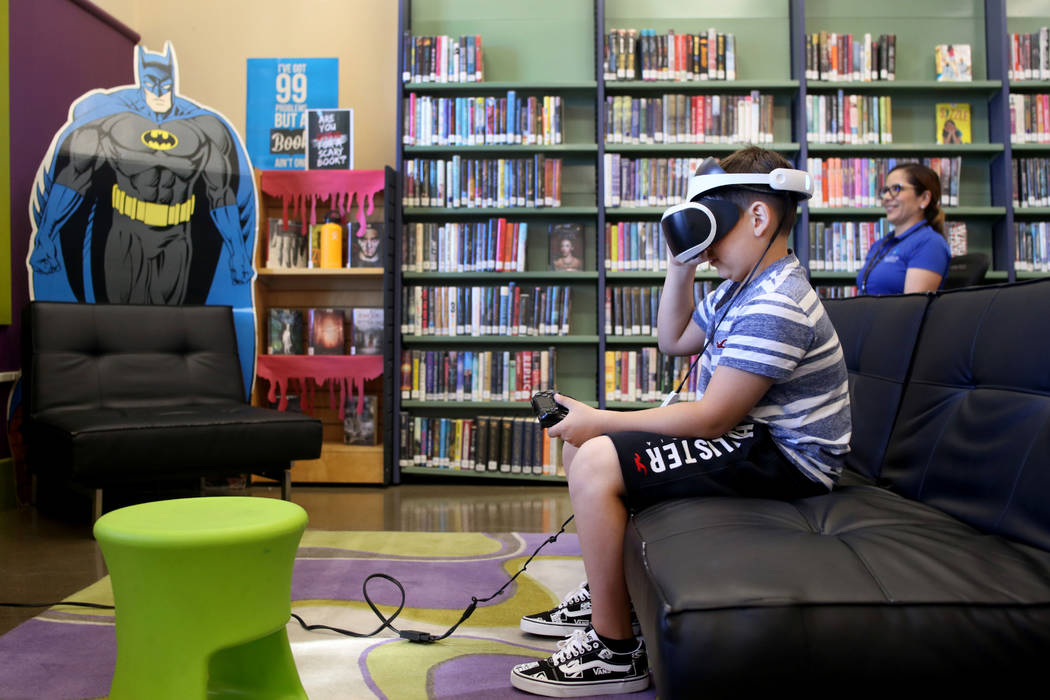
892,191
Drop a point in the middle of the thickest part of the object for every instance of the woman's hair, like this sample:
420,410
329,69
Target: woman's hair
752,159
922,179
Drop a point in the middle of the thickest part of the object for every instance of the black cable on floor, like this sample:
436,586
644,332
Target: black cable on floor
416,636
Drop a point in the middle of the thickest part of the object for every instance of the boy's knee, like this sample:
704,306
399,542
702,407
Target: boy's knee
594,460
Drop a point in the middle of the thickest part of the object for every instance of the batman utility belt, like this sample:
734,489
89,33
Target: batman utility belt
151,213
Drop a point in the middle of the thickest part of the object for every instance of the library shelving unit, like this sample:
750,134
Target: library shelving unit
557,47
345,288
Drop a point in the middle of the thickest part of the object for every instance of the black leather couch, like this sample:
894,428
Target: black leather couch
926,570
118,395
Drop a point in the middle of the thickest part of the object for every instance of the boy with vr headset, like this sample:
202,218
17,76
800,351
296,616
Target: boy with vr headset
773,420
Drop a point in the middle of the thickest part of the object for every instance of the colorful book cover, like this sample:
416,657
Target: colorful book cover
366,246
953,122
286,332
566,247
286,245
367,331
360,429
953,62
326,331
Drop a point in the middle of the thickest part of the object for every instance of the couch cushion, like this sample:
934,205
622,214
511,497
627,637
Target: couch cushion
128,356
105,445
878,335
861,585
973,434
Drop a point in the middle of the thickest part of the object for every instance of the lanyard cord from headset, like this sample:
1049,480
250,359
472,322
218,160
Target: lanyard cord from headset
726,301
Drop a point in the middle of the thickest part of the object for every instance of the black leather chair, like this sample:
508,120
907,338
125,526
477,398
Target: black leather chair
966,271
122,395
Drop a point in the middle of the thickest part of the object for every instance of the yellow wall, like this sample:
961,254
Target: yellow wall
213,39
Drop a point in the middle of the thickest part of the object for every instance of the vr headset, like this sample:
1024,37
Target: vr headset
693,226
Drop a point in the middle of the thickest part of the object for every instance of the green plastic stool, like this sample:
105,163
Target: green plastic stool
202,589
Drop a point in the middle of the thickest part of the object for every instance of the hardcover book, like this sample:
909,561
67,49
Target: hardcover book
286,332
366,246
953,62
566,247
367,331
326,331
286,245
360,429
953,122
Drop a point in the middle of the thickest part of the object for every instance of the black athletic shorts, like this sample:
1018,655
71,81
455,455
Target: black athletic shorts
745,462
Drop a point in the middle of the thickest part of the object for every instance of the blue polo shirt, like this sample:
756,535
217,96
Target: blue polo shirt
920,246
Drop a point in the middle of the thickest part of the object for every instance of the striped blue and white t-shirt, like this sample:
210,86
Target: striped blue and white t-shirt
776,327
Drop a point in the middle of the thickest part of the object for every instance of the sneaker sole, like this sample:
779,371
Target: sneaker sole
554,689
551,629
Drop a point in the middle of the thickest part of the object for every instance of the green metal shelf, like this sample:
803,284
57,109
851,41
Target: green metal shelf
503,148
699,85
972,149
549,212
686,148
878,212
496,277
467,473
473,405
484,87
499,339
987,87
1030,86
630,340
1031,212
1030,147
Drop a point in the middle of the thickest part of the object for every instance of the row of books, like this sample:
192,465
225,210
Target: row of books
1031,182
646,374
503,444
1029,118
473,183
356,331
467,375
442,59
646,182
631,311
836,291
679,118
855,182
635,245
482,120
836,56
842,246
1029,55
506,310
288,247
642,54
842,118
1033,246
495,245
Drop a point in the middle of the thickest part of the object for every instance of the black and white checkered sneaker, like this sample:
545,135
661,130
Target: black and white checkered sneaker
583,665
571,614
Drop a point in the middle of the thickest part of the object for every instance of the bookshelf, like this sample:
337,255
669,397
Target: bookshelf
345,288
550,47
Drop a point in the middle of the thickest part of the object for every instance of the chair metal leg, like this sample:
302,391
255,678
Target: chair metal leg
286,485
96,506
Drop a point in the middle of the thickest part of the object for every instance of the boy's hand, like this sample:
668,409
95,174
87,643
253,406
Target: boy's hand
580,425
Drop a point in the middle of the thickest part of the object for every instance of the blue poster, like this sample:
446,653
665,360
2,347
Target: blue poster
280,91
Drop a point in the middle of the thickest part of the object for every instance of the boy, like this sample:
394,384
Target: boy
773,421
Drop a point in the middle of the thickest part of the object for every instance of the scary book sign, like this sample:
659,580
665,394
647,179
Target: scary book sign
330,139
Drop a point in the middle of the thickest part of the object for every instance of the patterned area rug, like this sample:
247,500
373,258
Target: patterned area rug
69,652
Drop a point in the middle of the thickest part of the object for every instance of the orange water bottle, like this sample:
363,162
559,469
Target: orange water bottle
332,241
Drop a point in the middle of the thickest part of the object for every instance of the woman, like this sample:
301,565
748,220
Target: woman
915,257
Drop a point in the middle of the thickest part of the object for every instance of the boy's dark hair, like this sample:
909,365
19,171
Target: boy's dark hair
752,159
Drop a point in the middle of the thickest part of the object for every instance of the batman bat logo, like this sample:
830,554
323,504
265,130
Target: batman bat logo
159,139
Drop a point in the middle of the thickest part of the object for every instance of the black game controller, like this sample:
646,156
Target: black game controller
548,411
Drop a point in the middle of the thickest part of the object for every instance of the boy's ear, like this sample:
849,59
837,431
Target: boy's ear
760,216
